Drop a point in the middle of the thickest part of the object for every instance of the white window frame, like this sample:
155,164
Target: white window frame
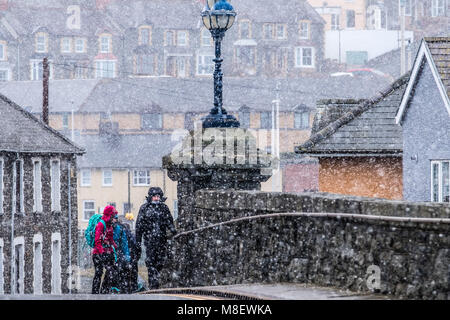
408,5
88,210
8,74
284,36
37,186
136,179
103,47
440,180
35,69
336,24
3,52
202,66
302,30
55,186
2,185
56,280
21,187
38,44
436,10
184,40
299,51
104,177
21,272
38,264
64,49
83,182
76,47
206,38
101,72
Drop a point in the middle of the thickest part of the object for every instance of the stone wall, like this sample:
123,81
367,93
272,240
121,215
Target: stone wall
315,238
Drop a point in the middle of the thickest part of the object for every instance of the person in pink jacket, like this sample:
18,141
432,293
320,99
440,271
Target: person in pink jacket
103,253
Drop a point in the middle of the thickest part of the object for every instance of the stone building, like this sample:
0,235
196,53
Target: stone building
38,204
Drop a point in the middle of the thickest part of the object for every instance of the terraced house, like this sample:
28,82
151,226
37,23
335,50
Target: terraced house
38,204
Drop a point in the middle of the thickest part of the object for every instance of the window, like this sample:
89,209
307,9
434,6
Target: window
56,264
88,209
301,120
205,64
268,31
350,18
141,177
246,56
145,64
304,29
19,266
206,39
335,23
79,72
18,199
41,42
55,177
437,8
152,121
2,275
105,68
244,119
281,32
66,45
440,181
126,207
3,47
37,185
145,35
80,45
2,169
304,57
4,75
86,177
37,70
37,264
107,178
244,29
182,38
65,121
169,39
408,7
266,120
105,43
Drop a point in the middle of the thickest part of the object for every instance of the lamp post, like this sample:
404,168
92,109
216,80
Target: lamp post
218,16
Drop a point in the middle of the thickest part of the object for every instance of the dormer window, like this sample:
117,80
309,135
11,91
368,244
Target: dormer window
105,41
244,29
301,117
41,42
145,35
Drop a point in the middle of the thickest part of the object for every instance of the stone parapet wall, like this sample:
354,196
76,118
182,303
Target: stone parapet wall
320,239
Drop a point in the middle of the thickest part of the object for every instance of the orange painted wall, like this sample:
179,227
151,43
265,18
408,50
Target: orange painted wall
367,177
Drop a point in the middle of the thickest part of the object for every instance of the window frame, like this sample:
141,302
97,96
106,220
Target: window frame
435,8
249,23
107,36
37,44
75,46
82,181
407,5
139,64
3,50
88,210
104,177
2,185
186,38
136,178
302,125
203,37
62,45
301,30
37,186
301,65
160,124
101,73
55,195
140,36
35,75
440,183
203,57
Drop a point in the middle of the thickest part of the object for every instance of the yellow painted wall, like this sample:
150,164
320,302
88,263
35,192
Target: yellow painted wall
173,121
118,192
358,5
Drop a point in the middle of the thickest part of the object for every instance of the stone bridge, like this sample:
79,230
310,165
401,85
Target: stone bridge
231,233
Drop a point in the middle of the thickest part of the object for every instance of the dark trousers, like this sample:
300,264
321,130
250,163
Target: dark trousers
123,274
154,262
103,262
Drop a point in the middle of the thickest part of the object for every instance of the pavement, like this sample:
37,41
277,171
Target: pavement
281,291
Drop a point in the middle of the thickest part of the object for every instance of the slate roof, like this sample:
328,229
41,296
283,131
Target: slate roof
440,52
175,95
127,151
22,132
366,130
61,94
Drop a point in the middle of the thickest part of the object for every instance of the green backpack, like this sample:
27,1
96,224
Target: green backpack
89,233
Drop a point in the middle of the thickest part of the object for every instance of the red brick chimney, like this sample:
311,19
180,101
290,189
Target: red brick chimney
102,4
3,5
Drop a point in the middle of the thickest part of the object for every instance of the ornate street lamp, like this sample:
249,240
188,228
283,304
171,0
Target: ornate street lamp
218,16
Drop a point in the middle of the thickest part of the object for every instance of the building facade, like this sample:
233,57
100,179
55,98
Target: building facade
38,205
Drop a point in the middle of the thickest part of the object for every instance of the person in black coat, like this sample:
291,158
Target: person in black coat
153,221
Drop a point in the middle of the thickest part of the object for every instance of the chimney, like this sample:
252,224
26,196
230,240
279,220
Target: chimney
102,4
4,5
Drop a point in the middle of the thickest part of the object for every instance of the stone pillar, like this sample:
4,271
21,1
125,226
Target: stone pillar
215,158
